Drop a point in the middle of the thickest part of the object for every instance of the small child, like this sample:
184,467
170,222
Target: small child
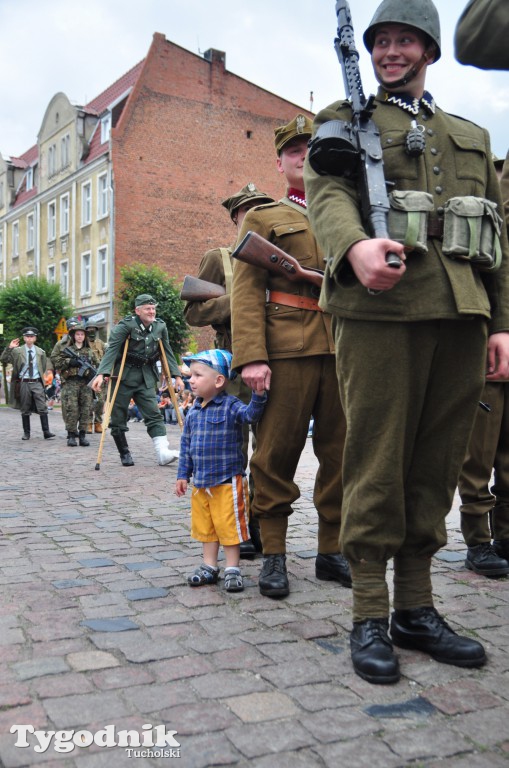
211,451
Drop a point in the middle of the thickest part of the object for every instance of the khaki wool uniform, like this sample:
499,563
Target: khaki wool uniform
410,360
140,376
297,345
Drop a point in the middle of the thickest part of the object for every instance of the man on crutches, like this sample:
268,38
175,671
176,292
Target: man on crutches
139,377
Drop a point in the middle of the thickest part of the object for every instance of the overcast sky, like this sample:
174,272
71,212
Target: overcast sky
284,46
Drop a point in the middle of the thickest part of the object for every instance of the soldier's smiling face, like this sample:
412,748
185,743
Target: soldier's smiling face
397,48
146,313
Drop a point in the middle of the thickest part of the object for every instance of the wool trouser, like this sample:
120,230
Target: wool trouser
31,393
488,452
300,388
146,400
410,393
77,399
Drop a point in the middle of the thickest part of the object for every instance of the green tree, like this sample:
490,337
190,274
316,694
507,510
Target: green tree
138,278
32,301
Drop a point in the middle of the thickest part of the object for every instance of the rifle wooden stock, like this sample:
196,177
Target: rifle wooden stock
259,252
194,289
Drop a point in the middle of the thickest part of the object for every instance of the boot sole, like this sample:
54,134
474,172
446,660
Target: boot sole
483,572
379,679
411,646
276,592
325,576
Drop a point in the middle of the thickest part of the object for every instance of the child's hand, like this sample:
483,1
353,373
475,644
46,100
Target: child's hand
180,487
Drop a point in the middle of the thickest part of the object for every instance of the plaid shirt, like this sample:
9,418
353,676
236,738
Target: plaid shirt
211,443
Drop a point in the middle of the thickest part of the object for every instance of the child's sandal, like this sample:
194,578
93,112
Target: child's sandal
203,575
233,581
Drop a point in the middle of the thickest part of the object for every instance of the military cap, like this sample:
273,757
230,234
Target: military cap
90,325
219,360
421,14
70,322
300,126
144,298
77,327
247,194
30,331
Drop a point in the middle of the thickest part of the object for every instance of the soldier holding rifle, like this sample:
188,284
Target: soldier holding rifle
282,343
139,377
411,350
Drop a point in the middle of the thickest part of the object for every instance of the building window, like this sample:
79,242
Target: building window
64,215
86,203
30,179
51,274
64,277
52,160
105,128
30,232
65,150
102,196
86,276
102,269
15,239
52,221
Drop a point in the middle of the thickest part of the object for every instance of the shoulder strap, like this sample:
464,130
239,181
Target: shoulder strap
228,271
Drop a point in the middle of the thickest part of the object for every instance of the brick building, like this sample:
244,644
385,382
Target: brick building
137,175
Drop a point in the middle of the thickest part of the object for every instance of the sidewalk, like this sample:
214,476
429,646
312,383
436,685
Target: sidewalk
99,628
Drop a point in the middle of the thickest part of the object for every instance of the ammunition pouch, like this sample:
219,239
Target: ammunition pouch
408,219
472,229
138,361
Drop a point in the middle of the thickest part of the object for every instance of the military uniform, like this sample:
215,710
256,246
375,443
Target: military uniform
410,360
297,344
480,38
98,347
140,376
26,392
76,395
56,352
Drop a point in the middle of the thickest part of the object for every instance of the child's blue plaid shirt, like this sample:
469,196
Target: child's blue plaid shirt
211,443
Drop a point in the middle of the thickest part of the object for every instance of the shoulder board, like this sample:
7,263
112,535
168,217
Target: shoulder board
465,120
265,205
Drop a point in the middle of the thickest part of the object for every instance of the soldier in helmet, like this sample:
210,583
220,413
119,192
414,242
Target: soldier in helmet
282,342
76,394
98,347
216,267
56,352
411,350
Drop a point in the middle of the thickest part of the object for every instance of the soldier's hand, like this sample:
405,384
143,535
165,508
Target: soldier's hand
257,376
498,357
14,343
97,383
367,258
179,384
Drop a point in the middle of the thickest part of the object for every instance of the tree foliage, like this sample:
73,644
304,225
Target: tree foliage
138,278
32,301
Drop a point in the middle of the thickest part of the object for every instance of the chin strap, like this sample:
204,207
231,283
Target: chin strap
426,56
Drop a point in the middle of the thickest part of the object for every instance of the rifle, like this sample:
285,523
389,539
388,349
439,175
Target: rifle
194,289
84,365
256,250
353,149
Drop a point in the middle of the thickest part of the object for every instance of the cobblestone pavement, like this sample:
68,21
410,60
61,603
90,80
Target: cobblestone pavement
98,627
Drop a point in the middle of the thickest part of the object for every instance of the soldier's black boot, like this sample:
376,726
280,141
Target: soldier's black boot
123,449
82,438
26,427
45,426
71,439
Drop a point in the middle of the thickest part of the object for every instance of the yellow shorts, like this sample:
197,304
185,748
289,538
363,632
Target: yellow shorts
221,513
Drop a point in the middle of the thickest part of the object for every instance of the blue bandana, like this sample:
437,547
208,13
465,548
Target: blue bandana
218,359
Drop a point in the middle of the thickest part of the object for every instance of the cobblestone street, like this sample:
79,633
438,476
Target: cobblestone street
98,627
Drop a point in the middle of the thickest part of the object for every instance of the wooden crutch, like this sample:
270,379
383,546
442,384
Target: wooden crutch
171,388
109,403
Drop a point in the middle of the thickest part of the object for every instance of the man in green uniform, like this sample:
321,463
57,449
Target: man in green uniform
216,267
98,347
140,376
282,342
480,38
411,350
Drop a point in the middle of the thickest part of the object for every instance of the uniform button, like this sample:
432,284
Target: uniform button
438,190
430,132
424,117
434,151
440,210
436,170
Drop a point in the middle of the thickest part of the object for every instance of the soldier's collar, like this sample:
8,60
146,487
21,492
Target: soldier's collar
296,196
410,103
144,328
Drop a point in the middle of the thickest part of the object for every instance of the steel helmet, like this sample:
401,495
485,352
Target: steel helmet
420,14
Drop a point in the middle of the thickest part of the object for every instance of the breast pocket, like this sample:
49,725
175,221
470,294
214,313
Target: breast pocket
397,163
469,158
295,238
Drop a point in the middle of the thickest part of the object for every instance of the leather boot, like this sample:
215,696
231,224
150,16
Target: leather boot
273,579
425,630
98,427
71,439
333,568
45,426
83,439
373,658
501,547
26,427
484,560
90,428
123,449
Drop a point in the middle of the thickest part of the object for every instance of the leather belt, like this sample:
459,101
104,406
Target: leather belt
30,381
293,300
435,227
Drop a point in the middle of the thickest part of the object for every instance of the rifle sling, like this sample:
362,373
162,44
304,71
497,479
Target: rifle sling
293,300
227,268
